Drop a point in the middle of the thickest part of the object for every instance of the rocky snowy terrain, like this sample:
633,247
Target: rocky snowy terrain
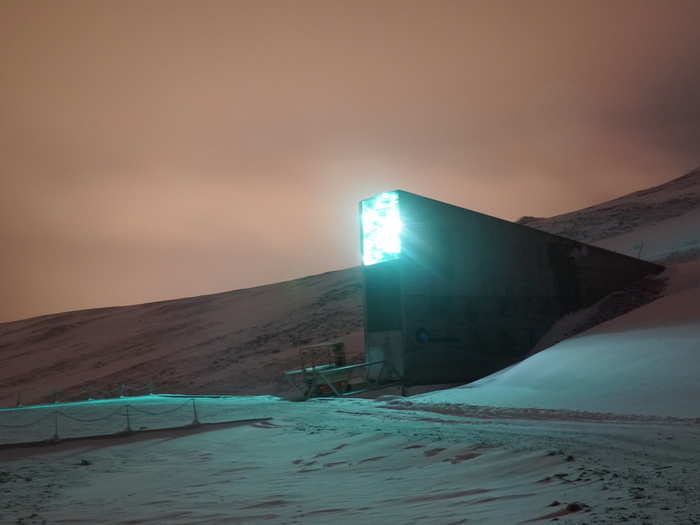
625,214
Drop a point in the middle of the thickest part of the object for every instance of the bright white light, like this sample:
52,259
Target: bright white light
381,228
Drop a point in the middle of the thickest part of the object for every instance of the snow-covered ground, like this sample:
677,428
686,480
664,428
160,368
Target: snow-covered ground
355,460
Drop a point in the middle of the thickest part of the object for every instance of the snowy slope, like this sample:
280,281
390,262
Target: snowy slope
354,461
625,214
673,240
644,362
232,342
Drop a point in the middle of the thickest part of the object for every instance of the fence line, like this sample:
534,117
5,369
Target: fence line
27,425
147,412
95,420
123,411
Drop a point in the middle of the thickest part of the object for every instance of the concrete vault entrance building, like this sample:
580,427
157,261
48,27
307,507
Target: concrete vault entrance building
454,295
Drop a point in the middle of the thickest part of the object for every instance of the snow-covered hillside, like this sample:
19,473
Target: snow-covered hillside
625,214
231,342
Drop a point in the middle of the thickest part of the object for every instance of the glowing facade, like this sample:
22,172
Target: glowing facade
381,228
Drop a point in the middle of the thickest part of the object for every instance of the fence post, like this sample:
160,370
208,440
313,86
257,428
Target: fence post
195,418
19,399
128,420
55,426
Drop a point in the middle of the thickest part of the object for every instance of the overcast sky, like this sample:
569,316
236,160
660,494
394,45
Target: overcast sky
159,149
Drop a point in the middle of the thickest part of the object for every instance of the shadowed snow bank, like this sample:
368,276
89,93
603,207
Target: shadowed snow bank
644,362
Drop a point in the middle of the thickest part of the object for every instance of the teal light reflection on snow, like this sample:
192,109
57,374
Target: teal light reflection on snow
381,228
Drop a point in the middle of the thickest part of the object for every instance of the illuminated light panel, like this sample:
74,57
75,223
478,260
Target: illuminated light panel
381,228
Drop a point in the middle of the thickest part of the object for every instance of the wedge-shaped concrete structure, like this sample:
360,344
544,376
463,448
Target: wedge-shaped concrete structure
454,295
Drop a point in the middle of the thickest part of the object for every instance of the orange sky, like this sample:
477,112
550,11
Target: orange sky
158,149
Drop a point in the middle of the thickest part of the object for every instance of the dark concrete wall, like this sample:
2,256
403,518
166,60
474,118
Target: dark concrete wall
472,294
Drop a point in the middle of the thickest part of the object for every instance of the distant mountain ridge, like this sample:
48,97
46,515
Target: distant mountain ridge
626,213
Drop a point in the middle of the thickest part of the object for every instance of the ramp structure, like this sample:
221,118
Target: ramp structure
454,295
